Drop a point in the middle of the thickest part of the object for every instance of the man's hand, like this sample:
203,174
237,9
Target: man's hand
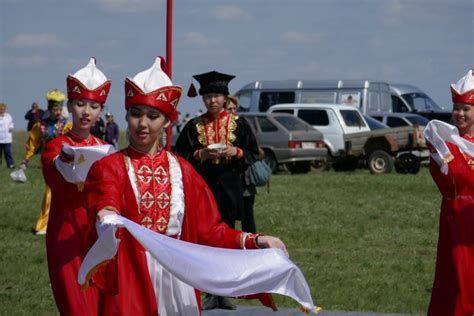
271,242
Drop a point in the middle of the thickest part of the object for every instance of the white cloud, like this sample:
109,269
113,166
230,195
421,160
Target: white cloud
26,61
196,39
131,6
229,13
299,37
29,40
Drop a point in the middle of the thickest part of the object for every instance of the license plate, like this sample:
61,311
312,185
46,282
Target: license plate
307,145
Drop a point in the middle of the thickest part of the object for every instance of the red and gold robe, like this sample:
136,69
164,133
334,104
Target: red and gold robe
125,282
64,238
453,287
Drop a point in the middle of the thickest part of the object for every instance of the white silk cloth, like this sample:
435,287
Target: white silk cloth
225,272
438,133
84,156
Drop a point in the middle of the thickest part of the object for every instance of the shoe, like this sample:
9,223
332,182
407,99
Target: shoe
40,232
225,303
210,302
11,167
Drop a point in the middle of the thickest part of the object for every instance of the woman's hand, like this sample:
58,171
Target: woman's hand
103,213
264,241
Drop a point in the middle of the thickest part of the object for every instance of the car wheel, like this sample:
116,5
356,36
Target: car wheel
345,164
271,160
299,167
408,163
380,162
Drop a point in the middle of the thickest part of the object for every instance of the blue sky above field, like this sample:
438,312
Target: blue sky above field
428,43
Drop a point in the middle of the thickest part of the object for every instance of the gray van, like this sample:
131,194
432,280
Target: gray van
366,95
408,98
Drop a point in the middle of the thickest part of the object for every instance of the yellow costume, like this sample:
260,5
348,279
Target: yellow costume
41,133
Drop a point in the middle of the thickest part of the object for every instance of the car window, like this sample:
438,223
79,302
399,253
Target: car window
396,122
266,125
284,111
398,105
352,118
244,100
251,121
267,99
314,117
374,123
418,120
318,97
421,102
378,118
292,123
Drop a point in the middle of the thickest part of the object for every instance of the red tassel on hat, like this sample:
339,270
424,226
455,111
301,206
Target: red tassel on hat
192,91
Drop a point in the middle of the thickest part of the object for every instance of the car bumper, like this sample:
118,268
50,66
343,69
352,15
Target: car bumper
300,154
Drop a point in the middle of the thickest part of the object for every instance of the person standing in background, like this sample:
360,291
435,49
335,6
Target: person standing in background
452,169
248,219
98,129
220,146
111,130
41,133
6,128
34,115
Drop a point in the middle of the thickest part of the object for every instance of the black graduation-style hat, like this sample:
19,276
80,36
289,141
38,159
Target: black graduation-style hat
213,82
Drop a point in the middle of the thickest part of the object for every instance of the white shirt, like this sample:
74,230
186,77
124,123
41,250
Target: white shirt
6,125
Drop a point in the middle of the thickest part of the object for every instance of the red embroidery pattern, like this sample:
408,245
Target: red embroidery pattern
154,186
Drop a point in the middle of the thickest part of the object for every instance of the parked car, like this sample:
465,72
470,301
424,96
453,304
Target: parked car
406,161
349,139
287,140
393,119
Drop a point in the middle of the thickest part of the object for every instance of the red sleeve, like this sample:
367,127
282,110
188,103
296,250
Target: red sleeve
104,185
52,149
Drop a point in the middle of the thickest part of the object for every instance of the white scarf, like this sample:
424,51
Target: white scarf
225,272
438,133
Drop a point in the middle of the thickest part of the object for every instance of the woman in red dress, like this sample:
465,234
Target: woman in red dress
160,191
87,92
453,287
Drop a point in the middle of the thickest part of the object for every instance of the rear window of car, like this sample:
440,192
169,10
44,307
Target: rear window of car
291,123
396,122
266,125
352,118
418,120
314,117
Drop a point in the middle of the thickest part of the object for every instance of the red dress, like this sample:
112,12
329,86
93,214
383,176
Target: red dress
126,279
64,238
453,287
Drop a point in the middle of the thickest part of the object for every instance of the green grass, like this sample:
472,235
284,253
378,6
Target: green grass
363,242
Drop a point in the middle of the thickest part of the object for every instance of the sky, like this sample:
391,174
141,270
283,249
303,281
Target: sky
426,43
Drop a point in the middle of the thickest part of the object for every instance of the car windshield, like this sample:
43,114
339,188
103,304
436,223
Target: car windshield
418,120
292,123
374,124
421,102
352,118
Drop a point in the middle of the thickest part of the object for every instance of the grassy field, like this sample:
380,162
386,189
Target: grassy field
363,242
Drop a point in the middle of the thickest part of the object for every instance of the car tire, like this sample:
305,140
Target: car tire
380,162
271,160
408,163
299,167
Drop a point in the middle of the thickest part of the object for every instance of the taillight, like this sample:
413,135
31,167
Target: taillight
320,144
294,144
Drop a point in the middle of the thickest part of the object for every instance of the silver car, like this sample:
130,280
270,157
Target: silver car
287,141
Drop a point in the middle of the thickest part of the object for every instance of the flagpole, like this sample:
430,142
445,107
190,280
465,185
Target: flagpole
169,58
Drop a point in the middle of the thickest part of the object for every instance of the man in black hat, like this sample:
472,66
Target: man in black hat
220,146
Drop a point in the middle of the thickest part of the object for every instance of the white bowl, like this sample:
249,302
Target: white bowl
217,146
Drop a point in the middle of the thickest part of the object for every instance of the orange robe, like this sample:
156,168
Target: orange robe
453,287
64,237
